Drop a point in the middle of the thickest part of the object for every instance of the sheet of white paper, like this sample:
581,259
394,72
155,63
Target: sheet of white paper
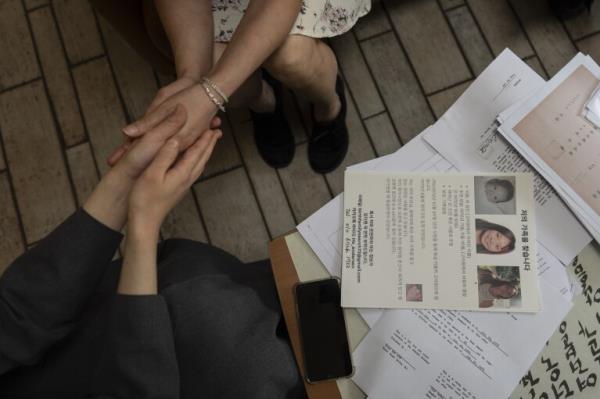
467,137
452,354
323,229
551,132
554,273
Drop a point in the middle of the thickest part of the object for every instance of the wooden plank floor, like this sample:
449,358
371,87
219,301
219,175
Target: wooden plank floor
68,83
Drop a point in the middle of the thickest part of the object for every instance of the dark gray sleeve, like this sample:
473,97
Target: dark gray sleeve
43,291
138,358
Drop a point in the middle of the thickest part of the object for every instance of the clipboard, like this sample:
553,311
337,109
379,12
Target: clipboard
286,277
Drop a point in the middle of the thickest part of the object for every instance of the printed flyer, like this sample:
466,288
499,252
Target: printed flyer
439,241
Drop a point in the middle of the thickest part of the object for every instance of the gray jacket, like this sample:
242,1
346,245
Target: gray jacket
214,330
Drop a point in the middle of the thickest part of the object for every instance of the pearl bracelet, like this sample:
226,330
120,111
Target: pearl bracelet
213,98
216,88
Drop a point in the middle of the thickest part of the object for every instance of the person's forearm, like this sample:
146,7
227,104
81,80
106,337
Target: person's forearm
264,27
108,202
138,272
189,27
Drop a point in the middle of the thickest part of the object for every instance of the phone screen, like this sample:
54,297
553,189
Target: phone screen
323,330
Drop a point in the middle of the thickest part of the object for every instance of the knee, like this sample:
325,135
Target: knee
292,59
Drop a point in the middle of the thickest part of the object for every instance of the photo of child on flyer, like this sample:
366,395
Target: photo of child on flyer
492,238
499,286
495,195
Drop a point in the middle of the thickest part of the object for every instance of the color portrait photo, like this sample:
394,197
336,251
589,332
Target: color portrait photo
499,286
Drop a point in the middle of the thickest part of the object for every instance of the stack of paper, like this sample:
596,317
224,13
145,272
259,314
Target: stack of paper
592,108
443,353
552,131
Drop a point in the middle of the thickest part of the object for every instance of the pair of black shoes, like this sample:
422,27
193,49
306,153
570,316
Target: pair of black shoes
568,9
274,139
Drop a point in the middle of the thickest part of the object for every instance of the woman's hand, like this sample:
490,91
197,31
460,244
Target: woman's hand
170,90
166,180
166,93
160,187
136,155
200,109
108,203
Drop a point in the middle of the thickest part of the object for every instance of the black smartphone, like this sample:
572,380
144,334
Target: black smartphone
323,330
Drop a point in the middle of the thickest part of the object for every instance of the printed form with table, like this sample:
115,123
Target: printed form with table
464,251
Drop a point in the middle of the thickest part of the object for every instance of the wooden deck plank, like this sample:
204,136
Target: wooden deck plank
549,38
2,161
472,42
78,28
374,23
584,24
398,86
135,76
359,148
382,134
534,62
101,107
225,155
83,171
500,27
440,102
18,62
11,244
35,159
305,189
184,221
591,46
57,76
30,4
232,216
268,189
430,46
357,75
447,4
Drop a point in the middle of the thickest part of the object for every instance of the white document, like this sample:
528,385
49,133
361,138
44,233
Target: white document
467,137
439,241
451,354
551,131
323,229
592,107
569,364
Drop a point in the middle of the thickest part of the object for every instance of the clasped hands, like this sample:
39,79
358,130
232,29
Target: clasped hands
163,154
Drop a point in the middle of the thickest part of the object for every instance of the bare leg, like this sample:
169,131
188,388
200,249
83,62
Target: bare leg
309,67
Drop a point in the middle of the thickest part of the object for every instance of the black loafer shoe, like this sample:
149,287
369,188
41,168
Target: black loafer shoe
272,134
328,144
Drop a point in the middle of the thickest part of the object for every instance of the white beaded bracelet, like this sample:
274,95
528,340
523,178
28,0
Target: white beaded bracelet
213,98
216,88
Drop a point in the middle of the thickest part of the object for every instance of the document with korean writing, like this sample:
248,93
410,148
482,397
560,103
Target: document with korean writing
450,354
450,241
569,365
551,131
467,137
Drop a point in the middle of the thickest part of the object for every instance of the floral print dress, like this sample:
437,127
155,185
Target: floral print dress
317,18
